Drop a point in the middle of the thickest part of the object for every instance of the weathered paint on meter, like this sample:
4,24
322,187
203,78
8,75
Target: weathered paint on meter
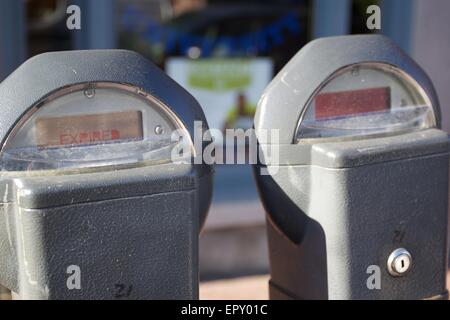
92,205
358,205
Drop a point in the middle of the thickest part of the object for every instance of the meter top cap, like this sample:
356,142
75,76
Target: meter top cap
91,109
347,88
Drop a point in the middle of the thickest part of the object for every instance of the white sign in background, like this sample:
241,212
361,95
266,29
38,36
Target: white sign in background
217,83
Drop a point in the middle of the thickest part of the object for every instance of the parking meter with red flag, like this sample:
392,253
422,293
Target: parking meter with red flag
357,203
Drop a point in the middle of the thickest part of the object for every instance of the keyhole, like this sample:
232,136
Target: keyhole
399,262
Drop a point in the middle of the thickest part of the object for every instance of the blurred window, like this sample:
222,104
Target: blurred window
205,29
46,23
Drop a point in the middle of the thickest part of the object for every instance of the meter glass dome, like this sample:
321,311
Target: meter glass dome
91,125
364,100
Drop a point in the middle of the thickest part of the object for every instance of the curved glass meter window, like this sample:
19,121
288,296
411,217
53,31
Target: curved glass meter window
92,126
371,99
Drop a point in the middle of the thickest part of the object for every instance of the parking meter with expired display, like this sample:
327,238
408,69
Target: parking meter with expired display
358,204
92,205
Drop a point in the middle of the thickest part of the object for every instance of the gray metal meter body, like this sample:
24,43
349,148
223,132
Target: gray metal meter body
92,205
357,203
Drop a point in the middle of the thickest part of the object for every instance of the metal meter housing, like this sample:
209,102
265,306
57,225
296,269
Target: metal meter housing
88,184
362,173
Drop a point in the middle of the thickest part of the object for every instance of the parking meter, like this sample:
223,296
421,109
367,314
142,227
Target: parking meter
357,203
92,205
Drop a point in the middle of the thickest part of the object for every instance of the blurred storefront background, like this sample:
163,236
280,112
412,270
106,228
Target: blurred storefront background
225,53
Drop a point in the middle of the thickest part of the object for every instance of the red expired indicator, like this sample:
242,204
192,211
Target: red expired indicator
89,129
354,102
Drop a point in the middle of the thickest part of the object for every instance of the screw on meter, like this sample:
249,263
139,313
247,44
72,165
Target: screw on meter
87,180
362,159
